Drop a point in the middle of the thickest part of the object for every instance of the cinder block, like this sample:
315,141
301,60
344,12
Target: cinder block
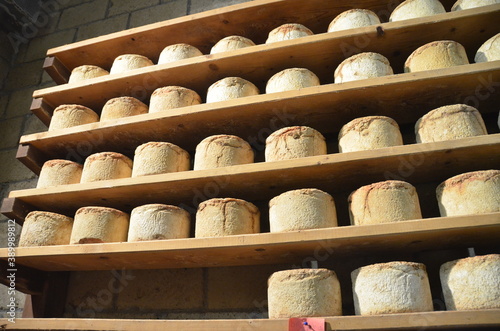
161,290
5,299
104,27
158,13
127,6
4,100
7,50
20,102
24,75
83,14
198,6
38,47
11,170
4,233
4,70
33,125
10,131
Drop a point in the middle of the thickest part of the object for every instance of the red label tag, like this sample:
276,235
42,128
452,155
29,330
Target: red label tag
306,324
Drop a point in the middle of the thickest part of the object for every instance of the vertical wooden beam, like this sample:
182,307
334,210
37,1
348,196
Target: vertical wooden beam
42,110
15,209
31,157
56,70
51,303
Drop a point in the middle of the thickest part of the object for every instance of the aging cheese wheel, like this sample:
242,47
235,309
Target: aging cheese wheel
476,192
106,165
178,52
304,293
86,72
231,43
489,51
294,142
448,123
225,217
222,151
230,88
99,225
302,209
158,158
362,66
384,202
394,287
370,132
158,221
291,79
471,283
468,4
170,97
288,31
436,55
353,18
66,116
128,62
122,107
416,8
59,172
41,228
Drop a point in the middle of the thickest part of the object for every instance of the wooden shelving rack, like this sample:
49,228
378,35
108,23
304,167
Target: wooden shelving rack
404,97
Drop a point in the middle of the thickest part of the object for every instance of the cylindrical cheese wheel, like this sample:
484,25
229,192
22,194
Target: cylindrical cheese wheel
122,107
178,52
448,123
468,4
370,132
416,8
353,18
66,116
394,287
99,225
86,72
301,210
384,202
231,43
489,51
158,158
158,221
291,79
471,283
106,165
436,55
41,228
476,192
294,142
59,172
304,293
288,31
170,97
128,62
222,151
230,88
362,66
225,217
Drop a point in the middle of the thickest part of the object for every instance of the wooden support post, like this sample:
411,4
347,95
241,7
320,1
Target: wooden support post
56,70
42,110
51,303
31,157
15,209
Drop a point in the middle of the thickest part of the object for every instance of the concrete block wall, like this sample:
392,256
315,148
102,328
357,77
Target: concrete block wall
21,57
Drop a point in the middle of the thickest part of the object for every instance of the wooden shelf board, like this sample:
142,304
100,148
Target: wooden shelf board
266,248
407,321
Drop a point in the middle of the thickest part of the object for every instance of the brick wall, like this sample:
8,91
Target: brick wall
61,22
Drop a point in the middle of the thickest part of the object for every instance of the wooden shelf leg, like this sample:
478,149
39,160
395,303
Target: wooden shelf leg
16,209
56,70
42,110
31,157
51,303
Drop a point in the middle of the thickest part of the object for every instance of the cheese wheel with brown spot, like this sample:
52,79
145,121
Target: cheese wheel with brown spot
122,107
476,192
468,4
230,88
450,122
99,225
158,222
171,97
225,217
301,210
292,79
384,202
304,293
489,51
85,72
231,43
471,283
416,8
222,151
436,55
59,172
391,288
353,18
105,166
159,158
287,32
41,228
370,132
178,52
67,116
127,62
294,142
362,66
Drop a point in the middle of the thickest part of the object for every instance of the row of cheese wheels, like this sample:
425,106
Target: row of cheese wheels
350,19
383,202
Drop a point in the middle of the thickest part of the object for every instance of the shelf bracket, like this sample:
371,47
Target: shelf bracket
56,69
31,157
16,209
42,110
